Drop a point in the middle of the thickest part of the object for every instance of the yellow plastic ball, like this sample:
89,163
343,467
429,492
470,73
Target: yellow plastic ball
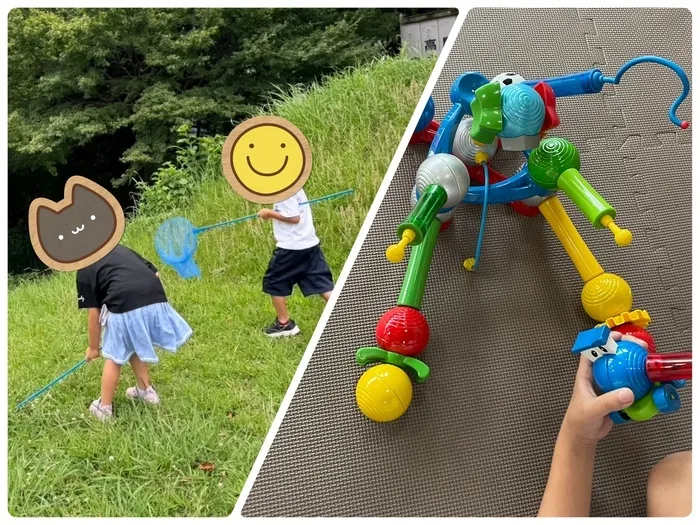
605,296
384,393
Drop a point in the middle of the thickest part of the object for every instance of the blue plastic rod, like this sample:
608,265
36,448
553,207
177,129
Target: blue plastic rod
53,383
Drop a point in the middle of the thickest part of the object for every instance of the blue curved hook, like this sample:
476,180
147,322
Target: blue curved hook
664,62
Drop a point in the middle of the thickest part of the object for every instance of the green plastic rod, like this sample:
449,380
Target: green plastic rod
421,217
589,201
418,267
413,229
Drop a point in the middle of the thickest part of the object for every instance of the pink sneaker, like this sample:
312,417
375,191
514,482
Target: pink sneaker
149,395
100,411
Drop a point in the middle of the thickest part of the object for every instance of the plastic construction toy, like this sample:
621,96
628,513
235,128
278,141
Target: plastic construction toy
512,114
176,238
653,378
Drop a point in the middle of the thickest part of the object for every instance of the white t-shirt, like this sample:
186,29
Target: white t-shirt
301,235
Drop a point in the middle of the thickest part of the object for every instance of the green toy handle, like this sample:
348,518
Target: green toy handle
585,197
421,217
372,354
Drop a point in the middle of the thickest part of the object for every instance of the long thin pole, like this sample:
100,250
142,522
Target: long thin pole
251,217
50,385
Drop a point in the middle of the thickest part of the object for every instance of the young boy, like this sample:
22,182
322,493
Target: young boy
297,259
570,483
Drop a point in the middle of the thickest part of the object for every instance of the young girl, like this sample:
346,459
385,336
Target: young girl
123,293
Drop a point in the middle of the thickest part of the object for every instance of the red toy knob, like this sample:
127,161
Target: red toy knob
639,333
403,330
669,367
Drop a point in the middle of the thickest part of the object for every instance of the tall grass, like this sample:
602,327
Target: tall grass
220,392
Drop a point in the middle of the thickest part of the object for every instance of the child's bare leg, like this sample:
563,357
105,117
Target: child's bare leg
140,371
280,306
110,380
669,488
326,296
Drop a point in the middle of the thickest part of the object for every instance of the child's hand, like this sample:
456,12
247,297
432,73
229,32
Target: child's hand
586,420
265,213
91,354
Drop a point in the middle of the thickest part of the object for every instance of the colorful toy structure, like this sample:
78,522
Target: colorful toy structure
512,114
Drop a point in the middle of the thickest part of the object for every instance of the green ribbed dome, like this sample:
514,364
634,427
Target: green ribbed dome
551,158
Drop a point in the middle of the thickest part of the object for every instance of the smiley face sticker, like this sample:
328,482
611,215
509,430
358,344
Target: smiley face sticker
266,159
80,229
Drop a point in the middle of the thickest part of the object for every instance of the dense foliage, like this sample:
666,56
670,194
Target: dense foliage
102,92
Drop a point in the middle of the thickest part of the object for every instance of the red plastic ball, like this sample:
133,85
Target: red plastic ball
403,330
639,333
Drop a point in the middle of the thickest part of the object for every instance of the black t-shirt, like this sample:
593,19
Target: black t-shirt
122,280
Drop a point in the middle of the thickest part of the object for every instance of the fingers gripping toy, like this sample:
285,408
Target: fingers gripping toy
653,378
512,114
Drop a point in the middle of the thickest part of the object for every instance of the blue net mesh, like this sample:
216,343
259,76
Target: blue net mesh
176,244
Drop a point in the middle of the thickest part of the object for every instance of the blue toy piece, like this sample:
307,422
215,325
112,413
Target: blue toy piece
626,367
461,95
591,339
427,116
593,80
523,114
666,398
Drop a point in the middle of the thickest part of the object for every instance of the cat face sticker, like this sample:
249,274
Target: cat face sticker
80,229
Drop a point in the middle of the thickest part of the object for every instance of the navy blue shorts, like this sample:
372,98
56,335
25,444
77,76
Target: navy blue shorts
307,268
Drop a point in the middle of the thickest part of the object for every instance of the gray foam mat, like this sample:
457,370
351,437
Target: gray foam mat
478,437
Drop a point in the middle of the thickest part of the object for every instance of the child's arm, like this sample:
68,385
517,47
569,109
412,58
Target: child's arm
267,213
94,334
568,491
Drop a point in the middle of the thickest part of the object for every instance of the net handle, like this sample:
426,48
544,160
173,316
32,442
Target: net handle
202,229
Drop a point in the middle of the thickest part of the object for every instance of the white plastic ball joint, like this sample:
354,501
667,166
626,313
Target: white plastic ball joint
464,147
508,79
448,172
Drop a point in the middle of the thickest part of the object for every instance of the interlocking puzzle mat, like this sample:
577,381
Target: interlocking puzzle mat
478,437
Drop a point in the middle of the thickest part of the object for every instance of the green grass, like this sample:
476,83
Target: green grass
221,391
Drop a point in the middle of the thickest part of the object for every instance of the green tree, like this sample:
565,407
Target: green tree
102,92
78,74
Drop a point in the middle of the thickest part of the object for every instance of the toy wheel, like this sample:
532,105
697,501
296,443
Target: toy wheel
666,398
643,409
619,418
678,383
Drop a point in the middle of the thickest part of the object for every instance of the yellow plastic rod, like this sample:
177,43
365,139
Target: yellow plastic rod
395,252
623,237
582,257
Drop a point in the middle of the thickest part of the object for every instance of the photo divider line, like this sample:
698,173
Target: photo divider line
359,241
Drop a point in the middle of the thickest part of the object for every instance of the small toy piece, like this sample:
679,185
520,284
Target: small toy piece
653,378
176,238
514,114
426,127
384,393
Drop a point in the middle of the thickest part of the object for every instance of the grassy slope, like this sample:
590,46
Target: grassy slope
221,391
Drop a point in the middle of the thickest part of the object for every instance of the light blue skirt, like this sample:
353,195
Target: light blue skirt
140,331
